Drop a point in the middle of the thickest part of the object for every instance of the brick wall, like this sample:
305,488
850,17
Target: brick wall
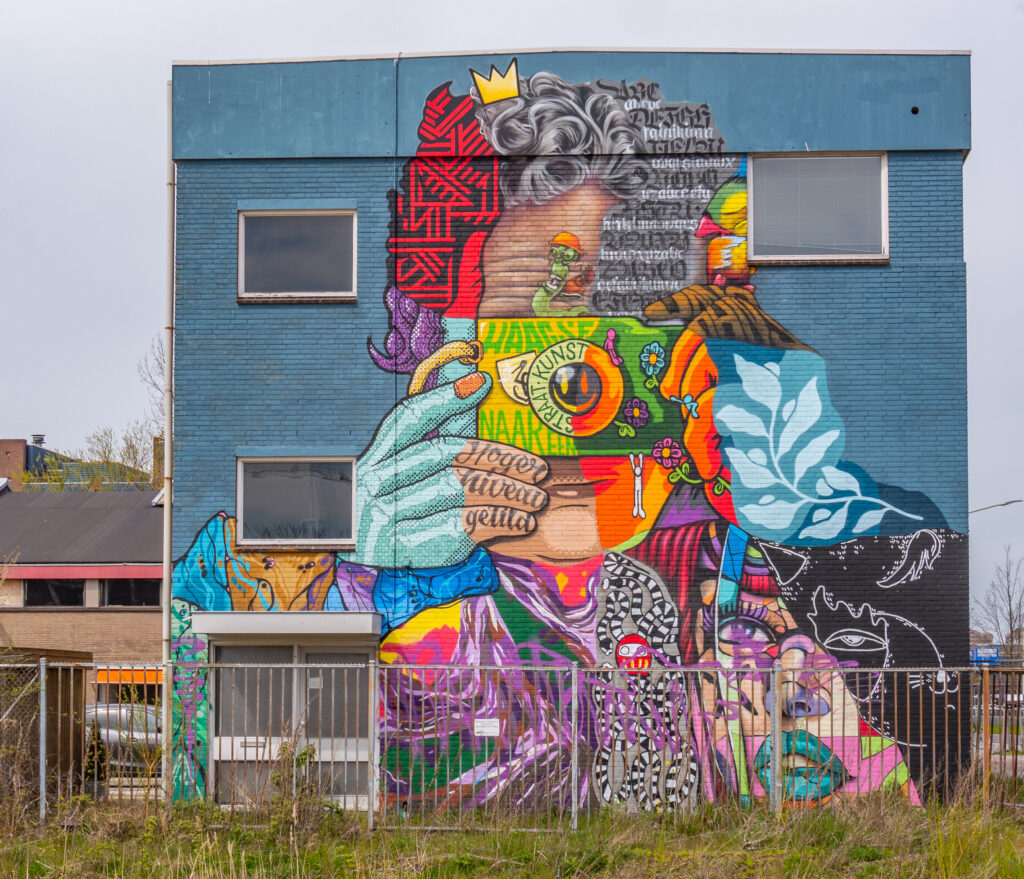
12,460
110,635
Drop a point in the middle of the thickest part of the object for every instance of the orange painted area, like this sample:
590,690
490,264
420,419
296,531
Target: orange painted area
129,676
613,491
610,400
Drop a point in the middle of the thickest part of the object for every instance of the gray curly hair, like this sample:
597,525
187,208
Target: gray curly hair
559,135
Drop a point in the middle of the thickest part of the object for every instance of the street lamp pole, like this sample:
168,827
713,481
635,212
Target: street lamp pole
990,506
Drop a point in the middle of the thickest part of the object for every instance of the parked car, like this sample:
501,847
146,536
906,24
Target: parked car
130,734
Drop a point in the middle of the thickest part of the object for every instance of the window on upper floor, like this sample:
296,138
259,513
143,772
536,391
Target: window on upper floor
54,593
296,502
131,592
819,208
296,256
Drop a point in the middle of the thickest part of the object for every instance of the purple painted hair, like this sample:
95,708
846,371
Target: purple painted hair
414,333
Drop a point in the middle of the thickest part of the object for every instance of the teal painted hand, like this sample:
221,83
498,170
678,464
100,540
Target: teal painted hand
427,503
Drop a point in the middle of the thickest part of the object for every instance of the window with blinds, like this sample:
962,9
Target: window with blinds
809,208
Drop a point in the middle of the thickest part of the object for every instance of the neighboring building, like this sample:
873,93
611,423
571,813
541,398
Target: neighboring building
31,467
81,571
18,457
628,359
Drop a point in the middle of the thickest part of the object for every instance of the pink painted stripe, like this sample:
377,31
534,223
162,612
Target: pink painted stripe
82,572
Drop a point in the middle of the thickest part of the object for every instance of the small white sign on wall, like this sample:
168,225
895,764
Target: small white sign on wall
485,726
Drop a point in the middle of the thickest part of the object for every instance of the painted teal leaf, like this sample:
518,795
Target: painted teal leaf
819,514
828,528
752,475
805,414
869,520
822,487
766,499
787,410
758,457
777,515
736,420
840,480
760,384
812,453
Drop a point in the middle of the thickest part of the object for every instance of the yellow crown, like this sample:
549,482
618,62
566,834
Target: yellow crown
497,86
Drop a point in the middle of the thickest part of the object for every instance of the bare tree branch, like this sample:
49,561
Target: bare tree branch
1001,609
151,373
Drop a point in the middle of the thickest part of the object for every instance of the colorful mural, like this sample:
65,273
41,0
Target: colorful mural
611,456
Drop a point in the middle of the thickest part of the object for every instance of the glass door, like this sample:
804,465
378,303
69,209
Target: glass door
253,719
335,725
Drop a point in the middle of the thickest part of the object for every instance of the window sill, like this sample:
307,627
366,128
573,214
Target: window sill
296,545
291,298
880,260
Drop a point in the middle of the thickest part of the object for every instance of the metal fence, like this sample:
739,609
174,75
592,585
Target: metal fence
536,747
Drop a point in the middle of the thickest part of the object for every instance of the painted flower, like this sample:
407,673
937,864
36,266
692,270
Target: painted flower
652,358
636,412
667,453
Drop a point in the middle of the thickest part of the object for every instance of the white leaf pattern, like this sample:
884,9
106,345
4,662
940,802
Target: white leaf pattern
812,453
869,520
840,480
806,413
827,528
760,384
751,475
776,515
736,420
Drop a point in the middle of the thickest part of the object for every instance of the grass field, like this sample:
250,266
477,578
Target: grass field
881,838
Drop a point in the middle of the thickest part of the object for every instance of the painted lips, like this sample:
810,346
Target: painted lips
810,771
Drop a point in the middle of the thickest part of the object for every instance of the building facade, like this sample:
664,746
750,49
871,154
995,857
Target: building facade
80,571
617,359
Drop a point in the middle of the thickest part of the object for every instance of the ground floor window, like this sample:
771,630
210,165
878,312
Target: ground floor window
54,593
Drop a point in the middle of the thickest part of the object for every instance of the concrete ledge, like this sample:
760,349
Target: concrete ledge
238,622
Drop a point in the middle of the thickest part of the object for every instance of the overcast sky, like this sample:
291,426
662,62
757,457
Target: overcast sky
83,156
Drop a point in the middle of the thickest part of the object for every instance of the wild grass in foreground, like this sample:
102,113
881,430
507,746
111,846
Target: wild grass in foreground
883,838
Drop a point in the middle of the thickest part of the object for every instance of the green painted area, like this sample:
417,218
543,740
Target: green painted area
544,425
433,762
871,745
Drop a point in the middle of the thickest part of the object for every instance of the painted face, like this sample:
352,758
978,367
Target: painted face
576,389
633,653
826,748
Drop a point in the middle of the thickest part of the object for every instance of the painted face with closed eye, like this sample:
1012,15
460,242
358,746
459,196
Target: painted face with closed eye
826,747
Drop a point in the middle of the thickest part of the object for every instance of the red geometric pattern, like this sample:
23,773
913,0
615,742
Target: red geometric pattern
447,202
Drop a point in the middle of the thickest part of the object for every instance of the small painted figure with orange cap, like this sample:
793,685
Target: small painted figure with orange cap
565,250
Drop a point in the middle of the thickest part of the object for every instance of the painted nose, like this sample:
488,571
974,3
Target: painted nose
798,701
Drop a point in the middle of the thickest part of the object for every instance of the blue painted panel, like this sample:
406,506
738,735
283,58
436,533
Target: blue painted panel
761,101
322,108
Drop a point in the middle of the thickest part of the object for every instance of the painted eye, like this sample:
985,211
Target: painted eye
576,387
628,650
741,631
854,641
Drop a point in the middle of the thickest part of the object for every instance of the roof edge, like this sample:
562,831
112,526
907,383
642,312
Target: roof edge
395,56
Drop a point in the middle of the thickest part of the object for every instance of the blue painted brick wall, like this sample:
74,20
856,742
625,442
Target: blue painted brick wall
282,374
894,337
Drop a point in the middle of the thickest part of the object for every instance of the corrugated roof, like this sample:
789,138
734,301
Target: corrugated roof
81,527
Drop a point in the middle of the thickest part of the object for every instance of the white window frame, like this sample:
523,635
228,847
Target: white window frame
880,258
297,295
290,543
